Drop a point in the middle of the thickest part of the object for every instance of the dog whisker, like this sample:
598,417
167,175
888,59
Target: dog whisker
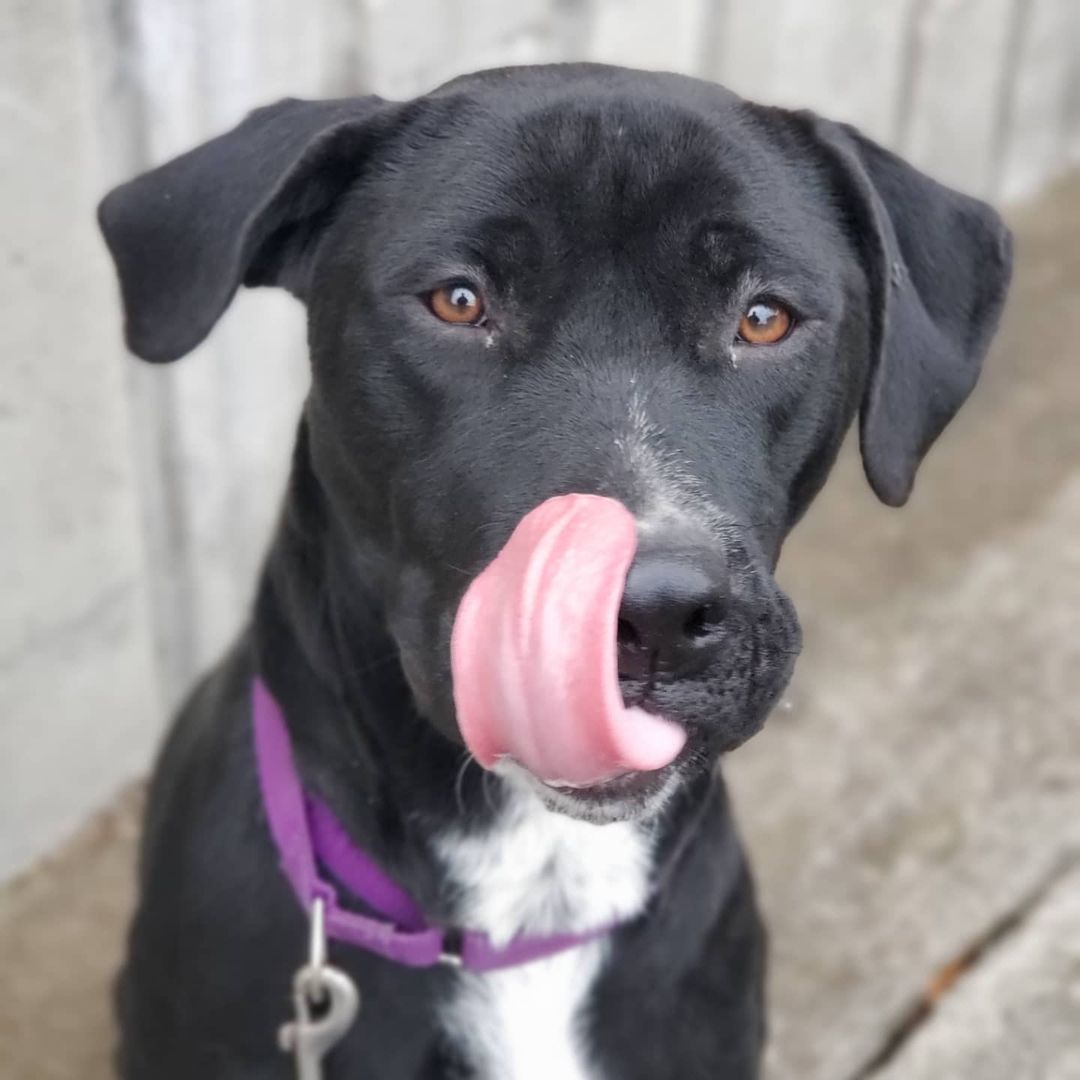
459,797
485,778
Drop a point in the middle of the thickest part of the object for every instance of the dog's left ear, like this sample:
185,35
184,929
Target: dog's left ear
938,264
246,208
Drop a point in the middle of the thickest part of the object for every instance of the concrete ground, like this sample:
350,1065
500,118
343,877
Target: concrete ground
913,809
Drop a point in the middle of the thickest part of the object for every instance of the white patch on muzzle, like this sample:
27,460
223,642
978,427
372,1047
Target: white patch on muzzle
672,498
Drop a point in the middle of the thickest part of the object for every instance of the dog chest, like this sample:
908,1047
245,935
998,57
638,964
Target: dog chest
539,872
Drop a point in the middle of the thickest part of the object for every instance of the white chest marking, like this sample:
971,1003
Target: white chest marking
539,872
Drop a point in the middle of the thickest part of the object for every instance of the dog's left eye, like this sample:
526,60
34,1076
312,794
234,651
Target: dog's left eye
460,304
765,323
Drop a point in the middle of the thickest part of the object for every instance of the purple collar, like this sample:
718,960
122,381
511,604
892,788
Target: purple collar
308,835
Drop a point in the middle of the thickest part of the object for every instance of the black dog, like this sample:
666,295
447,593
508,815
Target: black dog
529,283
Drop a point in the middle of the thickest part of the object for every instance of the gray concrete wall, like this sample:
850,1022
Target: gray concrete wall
79,702
137,500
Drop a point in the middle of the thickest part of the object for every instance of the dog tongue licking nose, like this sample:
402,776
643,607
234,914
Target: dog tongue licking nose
534,651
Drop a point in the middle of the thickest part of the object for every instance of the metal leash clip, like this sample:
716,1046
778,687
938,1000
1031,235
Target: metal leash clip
325,1004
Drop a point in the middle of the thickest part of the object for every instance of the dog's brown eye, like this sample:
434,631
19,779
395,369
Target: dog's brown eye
460,304
765,323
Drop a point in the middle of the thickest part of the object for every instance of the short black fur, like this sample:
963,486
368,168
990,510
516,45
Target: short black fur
618,223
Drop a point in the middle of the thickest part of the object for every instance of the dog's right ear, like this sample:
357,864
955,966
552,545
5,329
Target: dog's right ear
244,208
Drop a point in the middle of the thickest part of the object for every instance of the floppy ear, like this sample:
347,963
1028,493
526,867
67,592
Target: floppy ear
244,208
938,263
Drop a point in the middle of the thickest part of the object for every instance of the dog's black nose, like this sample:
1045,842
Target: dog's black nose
672,608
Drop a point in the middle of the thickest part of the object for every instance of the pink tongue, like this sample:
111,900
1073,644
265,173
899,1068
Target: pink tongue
534,653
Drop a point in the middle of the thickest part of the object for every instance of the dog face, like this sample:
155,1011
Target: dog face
539,282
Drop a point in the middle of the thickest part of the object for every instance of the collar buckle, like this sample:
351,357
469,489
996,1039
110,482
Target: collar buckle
452,942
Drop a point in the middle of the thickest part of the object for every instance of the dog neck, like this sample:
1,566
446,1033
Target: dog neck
408,795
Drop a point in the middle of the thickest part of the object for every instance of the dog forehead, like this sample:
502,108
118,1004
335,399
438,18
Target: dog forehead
613,146
608,163
531,164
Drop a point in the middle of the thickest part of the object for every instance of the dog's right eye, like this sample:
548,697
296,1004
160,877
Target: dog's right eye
460,304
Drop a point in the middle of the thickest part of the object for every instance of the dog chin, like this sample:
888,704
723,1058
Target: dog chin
635,796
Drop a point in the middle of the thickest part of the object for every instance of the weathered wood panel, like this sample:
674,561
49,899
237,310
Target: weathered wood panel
632,33
964,68
78,701
217,429
1033,139
846,61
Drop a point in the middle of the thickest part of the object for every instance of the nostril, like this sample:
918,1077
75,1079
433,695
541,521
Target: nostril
626,635
634,657
672,607
703,620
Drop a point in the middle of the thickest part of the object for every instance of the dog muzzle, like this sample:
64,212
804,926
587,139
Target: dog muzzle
534,651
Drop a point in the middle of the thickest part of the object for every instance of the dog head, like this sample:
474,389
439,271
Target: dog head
584,345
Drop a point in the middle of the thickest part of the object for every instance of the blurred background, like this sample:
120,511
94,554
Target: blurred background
914,808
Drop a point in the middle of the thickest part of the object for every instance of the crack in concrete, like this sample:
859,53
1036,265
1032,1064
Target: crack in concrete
947,978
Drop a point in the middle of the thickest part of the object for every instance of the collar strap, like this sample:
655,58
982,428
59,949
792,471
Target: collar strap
307,835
